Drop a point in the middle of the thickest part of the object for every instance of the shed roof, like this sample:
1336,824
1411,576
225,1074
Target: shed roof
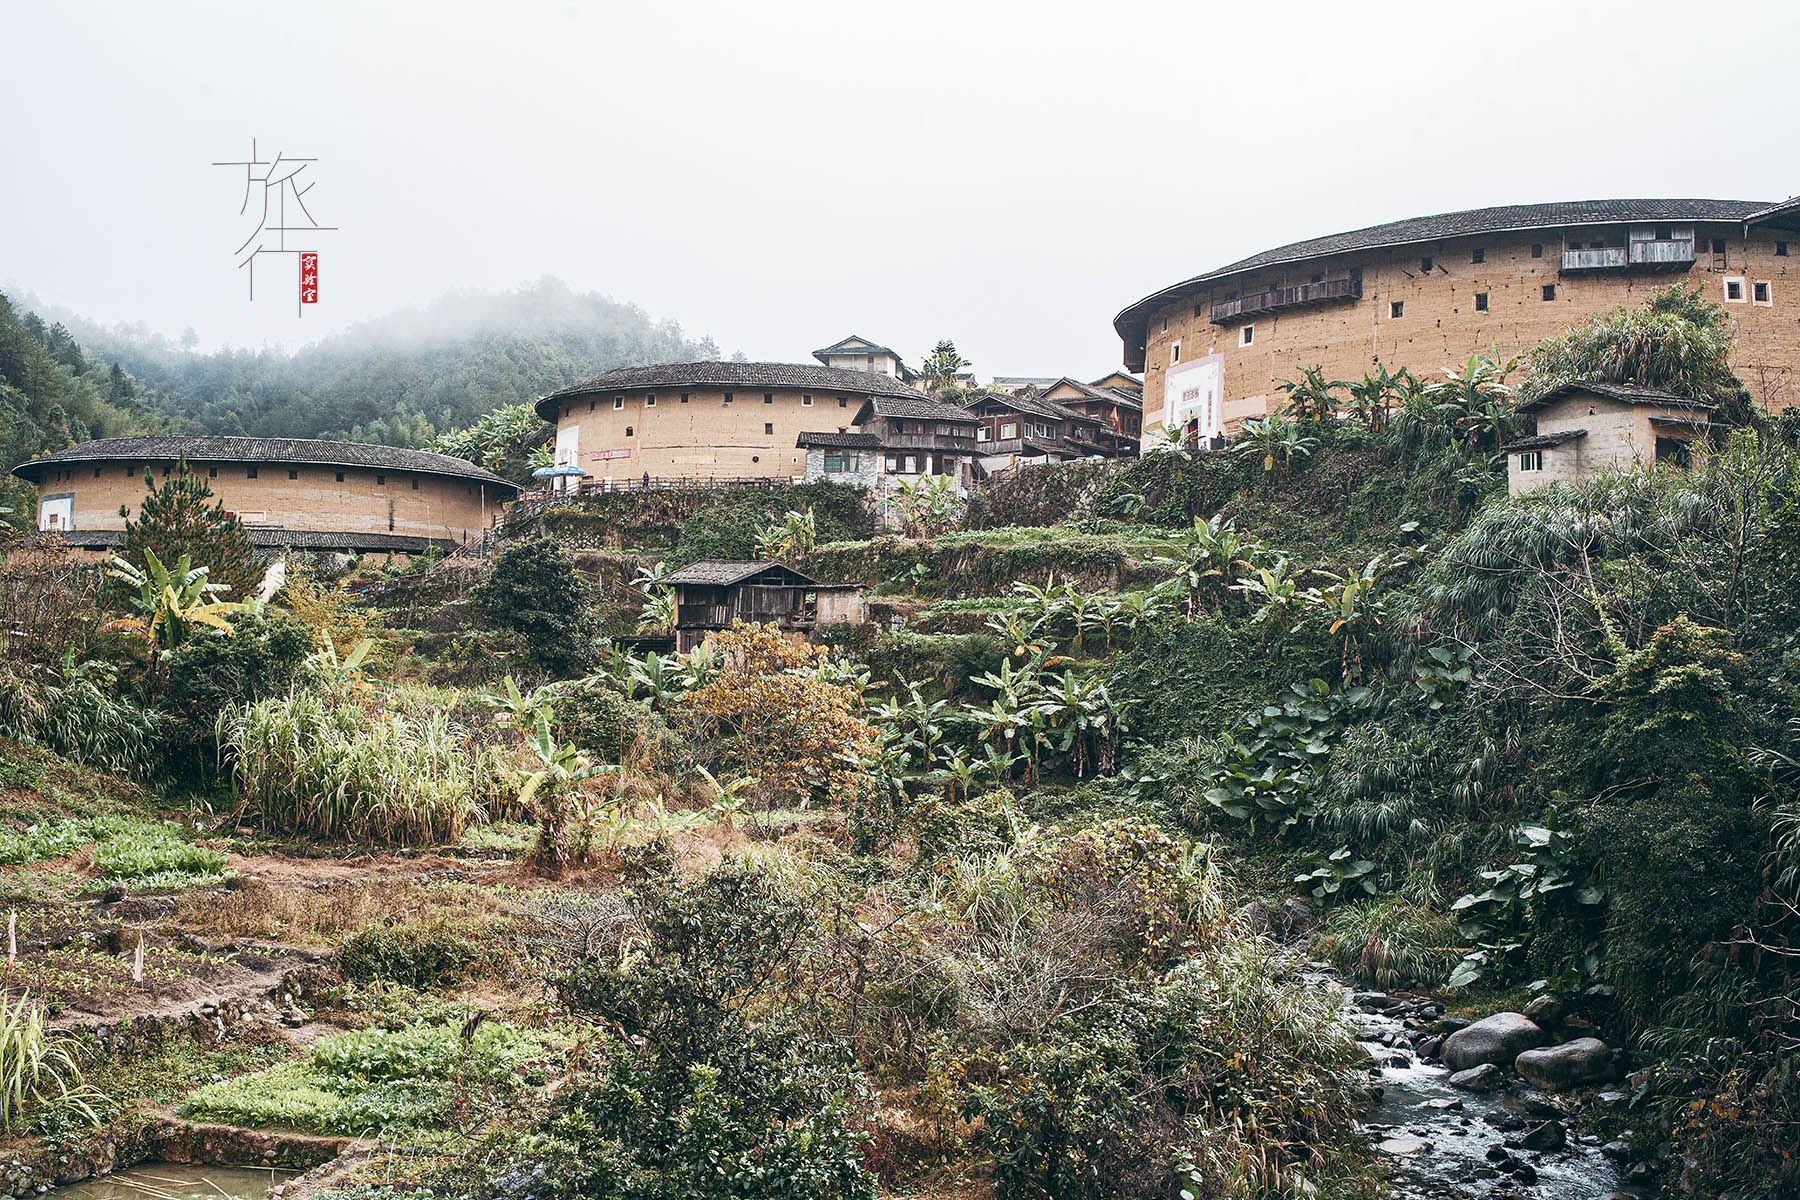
717,572
837,441
288,451
1628,393
1104,395
862,346
1543,441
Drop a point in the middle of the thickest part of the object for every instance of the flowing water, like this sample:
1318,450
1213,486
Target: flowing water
1438,1139
177,1181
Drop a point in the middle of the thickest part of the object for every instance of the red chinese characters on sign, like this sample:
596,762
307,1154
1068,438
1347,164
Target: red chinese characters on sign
309,279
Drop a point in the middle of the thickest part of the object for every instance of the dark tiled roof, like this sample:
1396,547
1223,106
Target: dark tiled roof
1025,380
751,376
837,441
1103,395
283,539
842,345
1467,223
1027,402
290,451
910,406
1630,393
1544,441
725,572
1786,214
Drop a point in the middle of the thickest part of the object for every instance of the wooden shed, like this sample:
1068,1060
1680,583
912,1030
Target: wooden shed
711,594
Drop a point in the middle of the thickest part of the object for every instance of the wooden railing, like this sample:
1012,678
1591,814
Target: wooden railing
929,441
1594,258
1324,292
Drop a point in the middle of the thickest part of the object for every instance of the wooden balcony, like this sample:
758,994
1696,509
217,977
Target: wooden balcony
1595,258
1642,254
1301,295
930,441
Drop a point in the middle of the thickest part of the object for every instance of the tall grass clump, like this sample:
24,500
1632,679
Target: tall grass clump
329,765
79,714
1390,943
38,1070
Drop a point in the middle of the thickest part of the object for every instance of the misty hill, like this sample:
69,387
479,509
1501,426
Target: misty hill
399,379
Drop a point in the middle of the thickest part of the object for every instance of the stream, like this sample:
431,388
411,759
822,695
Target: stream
176,1181
1445,1142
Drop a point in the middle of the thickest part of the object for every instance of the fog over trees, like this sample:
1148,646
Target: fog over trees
401,379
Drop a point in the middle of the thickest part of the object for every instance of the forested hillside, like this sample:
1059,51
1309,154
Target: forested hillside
401,379
54,394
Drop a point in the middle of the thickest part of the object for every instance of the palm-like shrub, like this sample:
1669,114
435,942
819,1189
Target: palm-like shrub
1677,340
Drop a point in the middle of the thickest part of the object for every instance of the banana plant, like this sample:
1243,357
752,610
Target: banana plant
1277,439
345,670
1273,590
173,605
1312,397
561,767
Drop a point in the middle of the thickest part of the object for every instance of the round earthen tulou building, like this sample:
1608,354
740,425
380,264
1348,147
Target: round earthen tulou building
709,421
1426,293
289,492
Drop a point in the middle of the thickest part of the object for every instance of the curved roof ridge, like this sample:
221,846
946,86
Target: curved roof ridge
233,448
721,373
1466,222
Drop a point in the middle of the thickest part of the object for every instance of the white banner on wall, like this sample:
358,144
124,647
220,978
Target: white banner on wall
1195,391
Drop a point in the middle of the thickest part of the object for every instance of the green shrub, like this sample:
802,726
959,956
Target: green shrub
717,1093
375,1080
534,591
80,713
600,720
429,954
1389,943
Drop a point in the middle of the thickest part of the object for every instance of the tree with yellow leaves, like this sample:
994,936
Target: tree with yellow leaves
767,715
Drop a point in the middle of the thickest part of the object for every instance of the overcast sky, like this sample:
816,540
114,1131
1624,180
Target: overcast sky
780,174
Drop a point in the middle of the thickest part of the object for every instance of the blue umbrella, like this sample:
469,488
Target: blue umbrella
554,472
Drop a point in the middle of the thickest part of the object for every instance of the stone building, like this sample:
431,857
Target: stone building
1583,427
1427,292
289,492
895,440
706,421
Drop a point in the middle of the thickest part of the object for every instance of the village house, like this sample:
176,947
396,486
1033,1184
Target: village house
711,594
895,440
860,354
1583,427
1026,430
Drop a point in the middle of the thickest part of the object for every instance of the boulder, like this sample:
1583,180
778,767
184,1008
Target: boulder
1498,1039
1546,1010
1570,1065
1484,1078
1297,917
1549,1136
1404,1147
